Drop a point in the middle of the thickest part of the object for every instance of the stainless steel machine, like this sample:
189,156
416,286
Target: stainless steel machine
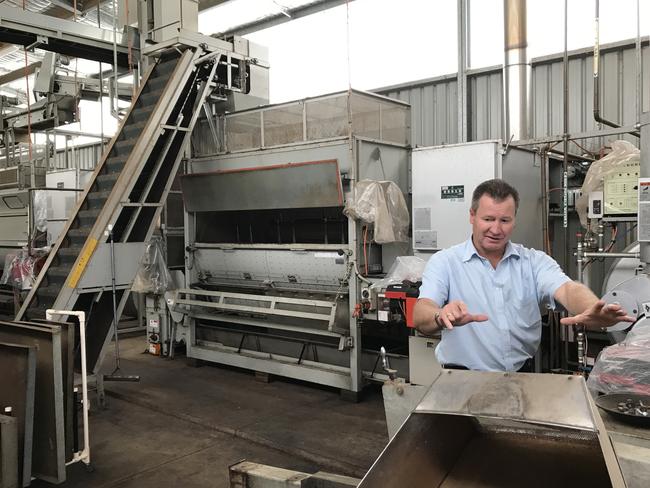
500,429
444,178
274,267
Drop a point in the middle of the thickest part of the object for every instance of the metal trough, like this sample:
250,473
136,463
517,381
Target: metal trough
486,429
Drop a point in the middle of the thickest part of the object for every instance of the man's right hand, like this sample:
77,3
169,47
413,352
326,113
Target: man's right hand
455,314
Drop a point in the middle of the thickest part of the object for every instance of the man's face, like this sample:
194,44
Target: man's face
492,224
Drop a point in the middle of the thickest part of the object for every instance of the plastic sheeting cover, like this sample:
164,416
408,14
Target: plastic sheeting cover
624,367
381,203
153,275
405,268
40,210
622,152
21,268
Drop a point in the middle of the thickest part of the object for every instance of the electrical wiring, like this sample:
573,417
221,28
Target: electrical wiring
360,276
613,238
401,307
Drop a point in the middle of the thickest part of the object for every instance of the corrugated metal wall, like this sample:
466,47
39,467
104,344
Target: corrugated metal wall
433,102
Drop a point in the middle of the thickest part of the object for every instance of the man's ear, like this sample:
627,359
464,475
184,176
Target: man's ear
472,214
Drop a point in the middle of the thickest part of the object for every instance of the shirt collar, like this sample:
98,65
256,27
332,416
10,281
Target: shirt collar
469,251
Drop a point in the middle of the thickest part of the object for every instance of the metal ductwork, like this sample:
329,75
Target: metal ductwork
516,71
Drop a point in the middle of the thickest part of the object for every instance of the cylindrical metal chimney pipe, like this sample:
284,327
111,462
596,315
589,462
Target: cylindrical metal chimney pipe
516,71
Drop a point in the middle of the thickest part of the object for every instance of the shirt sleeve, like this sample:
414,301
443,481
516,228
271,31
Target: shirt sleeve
548,277
435,279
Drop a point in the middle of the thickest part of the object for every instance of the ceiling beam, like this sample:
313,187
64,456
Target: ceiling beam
19,73
65,6
89,5
206,4
282,17
73,39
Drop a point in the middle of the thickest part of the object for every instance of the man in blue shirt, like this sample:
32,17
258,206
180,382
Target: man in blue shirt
485,293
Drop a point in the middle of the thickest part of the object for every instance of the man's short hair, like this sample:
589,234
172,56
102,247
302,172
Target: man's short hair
496,189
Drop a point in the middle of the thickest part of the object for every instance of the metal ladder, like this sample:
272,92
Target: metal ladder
127,191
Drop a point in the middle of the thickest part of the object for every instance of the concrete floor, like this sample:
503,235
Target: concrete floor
183,426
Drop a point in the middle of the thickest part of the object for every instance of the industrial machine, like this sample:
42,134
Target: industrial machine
187,75
444,178
469,423
275,268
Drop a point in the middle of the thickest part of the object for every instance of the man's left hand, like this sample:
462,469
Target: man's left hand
599,315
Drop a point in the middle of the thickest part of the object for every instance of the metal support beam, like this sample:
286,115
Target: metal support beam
578,135
285,16
644,173
463,63
58,35
91,87
66,6
89,5
207,4
19,73
249,475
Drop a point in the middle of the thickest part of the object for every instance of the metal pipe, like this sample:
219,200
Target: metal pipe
644,172
600,232
580,257
578,135
463,63
639,68
84,455
597,116
565,139
516,71
636,255
101,91
544,170
114,293
115,109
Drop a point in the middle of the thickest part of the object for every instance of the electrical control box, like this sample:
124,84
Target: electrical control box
423,365
595,209
620,188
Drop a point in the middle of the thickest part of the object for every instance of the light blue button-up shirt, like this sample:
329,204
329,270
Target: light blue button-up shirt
510,295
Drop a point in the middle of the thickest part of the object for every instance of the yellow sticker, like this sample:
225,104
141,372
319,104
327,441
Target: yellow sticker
86,253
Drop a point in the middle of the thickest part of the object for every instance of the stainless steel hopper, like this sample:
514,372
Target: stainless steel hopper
484,429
